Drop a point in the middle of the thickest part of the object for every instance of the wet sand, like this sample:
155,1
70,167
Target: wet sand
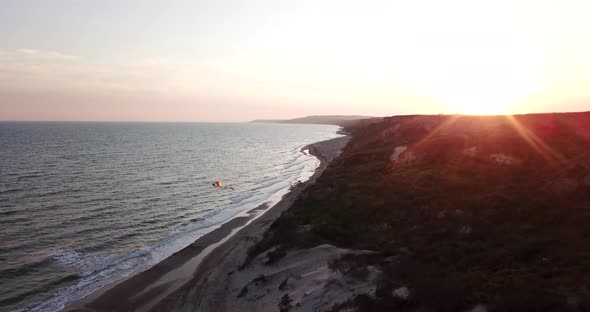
184,280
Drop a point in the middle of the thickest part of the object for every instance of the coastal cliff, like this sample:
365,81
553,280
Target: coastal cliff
428,213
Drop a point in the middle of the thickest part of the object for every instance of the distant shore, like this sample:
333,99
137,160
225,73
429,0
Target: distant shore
162,286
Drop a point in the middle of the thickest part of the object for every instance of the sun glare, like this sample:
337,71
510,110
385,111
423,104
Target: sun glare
483,90
482,76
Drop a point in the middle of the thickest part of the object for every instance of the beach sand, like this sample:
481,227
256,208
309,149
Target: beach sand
194,278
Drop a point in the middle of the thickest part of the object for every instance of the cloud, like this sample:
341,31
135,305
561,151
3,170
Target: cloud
27,55
238,86
32,70
44,85
44,55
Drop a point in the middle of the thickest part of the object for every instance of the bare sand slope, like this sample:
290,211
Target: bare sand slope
301,281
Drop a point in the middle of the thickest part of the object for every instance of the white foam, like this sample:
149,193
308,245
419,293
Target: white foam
66,257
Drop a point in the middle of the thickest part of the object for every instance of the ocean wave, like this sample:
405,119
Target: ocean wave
31,176
22,221
104,264
179,239
41,289
66,257
25,268
240,197
11,191
8,212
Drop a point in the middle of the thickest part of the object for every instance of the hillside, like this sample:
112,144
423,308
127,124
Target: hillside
340,120
457,213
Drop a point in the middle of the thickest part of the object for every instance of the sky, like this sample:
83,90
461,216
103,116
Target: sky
223,60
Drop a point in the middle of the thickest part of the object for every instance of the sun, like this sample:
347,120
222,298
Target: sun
481,85
479,78
482,94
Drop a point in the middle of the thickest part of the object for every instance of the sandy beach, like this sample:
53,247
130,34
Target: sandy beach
192,278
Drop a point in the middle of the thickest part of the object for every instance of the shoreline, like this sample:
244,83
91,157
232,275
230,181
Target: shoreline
161,286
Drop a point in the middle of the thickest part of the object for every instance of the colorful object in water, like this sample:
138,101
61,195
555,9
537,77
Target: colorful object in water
218,184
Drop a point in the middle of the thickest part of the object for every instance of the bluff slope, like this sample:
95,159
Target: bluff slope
452,213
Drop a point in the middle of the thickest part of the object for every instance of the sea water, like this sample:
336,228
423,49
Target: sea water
85,204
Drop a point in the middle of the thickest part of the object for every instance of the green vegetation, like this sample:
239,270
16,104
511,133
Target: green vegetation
490,210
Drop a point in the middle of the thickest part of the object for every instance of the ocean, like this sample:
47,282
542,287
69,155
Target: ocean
85,204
